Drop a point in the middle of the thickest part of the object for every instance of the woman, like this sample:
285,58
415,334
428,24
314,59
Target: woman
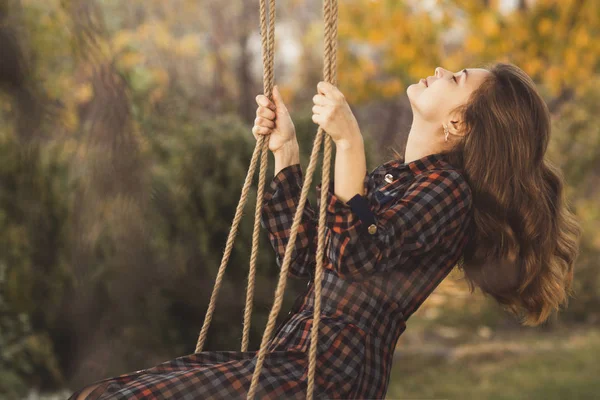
473,190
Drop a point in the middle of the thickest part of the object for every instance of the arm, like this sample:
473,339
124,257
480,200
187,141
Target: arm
280,202
289,154
350,166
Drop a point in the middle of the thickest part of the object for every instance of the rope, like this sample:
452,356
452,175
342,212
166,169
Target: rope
268,45
330,12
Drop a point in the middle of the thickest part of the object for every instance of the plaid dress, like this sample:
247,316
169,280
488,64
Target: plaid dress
385,253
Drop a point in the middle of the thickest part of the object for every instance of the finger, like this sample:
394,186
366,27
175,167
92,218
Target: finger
330,91
267,123
321,100
265,102
256,130
323,88
265,113
262,100
318,110
260,130
326,88
316,119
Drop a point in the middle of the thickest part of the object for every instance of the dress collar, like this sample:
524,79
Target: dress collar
420,165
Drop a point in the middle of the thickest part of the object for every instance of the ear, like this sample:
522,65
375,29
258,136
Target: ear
455,126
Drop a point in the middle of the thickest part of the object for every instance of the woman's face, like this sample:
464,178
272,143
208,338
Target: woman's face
434,97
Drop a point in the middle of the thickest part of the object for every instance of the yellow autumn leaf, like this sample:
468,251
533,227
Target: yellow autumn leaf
519,33
505,46
544,26
70,120
532,66
121,40
84,93
414,70
571,58
423,71
188,45
162,37
131,59
410,53
397,50
367,66
475,44
156,95
161,76
589,58
389,88
552,78
489,25
582,38
376,36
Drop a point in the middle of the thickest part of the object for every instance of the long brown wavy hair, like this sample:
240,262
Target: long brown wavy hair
523,239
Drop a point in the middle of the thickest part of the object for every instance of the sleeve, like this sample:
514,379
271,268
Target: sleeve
279,206
362,241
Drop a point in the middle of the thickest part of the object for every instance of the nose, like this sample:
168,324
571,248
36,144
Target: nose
439,71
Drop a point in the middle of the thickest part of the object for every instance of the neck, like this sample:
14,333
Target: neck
423,139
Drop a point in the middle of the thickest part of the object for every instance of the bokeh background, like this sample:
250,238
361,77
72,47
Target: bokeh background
125,137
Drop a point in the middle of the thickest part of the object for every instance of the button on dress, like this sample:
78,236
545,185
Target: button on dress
385,252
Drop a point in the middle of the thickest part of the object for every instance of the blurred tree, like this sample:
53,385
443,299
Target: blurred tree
33,267
398,42
33,218
576,148
386,45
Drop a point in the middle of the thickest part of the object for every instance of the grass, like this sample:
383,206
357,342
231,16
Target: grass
549,366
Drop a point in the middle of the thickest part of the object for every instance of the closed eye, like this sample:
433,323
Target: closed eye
454,76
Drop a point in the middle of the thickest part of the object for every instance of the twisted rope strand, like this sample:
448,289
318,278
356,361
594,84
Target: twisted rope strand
268,82
329,72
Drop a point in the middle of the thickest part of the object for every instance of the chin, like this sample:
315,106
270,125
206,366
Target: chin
412,90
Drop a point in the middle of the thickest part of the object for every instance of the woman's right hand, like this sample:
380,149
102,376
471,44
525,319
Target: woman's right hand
273,118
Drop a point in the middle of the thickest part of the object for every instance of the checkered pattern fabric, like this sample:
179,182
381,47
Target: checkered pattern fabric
374,280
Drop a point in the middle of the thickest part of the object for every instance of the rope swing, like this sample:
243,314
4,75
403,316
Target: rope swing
330,13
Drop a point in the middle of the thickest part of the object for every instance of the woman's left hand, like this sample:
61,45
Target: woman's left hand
333,114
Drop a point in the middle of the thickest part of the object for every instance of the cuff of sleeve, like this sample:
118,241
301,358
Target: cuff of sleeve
360,206
343,216
289,178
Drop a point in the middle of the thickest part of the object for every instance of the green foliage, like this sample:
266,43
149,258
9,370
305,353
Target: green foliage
575,148
33,273
196,187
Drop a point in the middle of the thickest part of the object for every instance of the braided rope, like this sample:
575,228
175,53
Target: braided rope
330,12
268,83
